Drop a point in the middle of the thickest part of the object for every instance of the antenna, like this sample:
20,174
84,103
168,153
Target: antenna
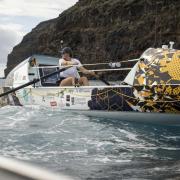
61,43
171,44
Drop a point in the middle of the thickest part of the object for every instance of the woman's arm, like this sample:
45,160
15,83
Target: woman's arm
85,71
67,63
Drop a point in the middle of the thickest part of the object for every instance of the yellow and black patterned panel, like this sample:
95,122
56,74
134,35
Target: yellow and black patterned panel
162,68
159,98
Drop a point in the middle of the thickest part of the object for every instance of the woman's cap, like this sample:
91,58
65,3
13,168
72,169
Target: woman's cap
67,50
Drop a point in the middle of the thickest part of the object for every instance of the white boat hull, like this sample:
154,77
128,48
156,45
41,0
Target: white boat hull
58,98
109,102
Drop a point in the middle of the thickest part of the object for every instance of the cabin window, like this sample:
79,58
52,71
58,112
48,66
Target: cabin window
52,80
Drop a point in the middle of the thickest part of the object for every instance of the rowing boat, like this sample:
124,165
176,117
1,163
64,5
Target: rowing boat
152,86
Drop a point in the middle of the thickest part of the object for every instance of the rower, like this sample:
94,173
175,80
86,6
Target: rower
71,77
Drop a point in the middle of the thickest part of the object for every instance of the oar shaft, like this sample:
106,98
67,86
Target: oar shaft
33,81
104,81
19,87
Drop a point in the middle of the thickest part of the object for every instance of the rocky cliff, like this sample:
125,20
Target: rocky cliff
104,30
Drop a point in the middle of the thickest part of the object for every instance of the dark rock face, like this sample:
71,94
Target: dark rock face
104,30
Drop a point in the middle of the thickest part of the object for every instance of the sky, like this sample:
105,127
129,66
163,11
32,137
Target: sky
18,17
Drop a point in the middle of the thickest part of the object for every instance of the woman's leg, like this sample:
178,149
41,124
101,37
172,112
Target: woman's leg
68,82
83,81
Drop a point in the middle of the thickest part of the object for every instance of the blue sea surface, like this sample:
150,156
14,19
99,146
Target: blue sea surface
88,147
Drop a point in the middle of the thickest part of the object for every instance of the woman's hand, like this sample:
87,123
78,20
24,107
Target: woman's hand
85,71
92,73
69,63
75,63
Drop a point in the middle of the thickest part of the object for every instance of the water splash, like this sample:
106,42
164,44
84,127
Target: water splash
89,147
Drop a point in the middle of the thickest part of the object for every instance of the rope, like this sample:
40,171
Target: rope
131,60
118,69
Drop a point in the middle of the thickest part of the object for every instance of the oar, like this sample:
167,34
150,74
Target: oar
34,81
104,81
101,79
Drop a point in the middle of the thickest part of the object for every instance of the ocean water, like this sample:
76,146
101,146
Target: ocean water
88,147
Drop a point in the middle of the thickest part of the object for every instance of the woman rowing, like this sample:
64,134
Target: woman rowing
71,77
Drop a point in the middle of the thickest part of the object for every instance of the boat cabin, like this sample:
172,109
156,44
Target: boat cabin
34,67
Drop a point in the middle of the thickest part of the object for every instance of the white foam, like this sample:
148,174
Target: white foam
129,135
103,159
123,160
